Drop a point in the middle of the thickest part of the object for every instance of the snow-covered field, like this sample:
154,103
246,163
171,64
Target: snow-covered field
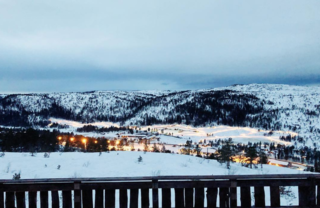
182,133
118,164
76,124
238,134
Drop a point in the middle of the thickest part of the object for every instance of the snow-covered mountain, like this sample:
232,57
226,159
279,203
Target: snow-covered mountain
295,108
284,107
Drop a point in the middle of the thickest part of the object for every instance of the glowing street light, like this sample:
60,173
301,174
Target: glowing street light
59,137
96,142
117,143
72,139
84,140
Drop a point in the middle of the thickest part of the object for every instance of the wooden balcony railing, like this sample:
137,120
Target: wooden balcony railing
144,192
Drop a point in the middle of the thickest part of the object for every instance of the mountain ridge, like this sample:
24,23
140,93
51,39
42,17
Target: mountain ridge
268,106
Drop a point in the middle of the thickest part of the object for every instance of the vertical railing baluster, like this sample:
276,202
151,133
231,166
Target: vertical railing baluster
144,198
245,196
110,198
44,199
155,193
312,196
54,199
303,196
318,195
275,196
123,198
99,198
233,193
212,194
188,195
66,199
166,198
259,196
77,194
312,192
1,198
307,194
224,197
10,199
179,200
233,197
134,194
32,199
21,199
87,201
199,197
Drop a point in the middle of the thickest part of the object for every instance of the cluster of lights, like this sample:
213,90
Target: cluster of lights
84,140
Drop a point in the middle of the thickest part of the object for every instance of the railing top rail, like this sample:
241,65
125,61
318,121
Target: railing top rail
159,178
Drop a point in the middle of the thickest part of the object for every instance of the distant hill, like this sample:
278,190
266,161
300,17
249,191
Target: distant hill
284,107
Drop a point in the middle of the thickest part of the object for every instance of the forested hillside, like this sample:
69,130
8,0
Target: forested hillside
262,106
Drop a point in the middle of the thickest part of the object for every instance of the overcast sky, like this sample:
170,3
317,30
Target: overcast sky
82,45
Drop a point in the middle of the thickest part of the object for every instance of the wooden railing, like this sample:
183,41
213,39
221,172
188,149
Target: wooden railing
144,192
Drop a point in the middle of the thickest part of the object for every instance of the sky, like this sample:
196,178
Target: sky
82,45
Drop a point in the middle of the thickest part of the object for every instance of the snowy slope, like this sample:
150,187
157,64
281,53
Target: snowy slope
296,108
277,107
118,164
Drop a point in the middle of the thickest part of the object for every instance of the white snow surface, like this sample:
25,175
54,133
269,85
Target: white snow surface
120,164
183,133
77,124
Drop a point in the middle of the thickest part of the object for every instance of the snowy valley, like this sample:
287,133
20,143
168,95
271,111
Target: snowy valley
261,106
146,122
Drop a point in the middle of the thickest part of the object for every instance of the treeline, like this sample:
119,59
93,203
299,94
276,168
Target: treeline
223,107
290,138
306,155
245,154
87,144
34,140
92,128
59,126
28,140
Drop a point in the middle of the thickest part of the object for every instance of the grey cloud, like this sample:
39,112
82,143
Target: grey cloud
71,80
185,44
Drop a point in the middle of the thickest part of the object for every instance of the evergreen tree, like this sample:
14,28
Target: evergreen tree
198,150
188,146
316,161
251,154
263,158
67,147
226,152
